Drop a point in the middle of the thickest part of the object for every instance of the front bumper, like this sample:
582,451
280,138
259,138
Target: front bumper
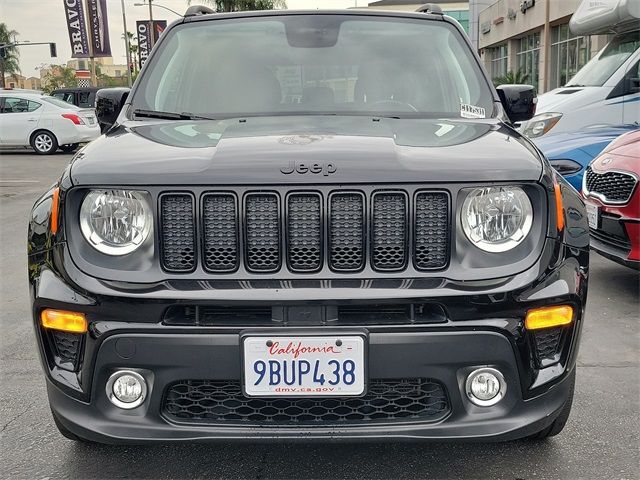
445,356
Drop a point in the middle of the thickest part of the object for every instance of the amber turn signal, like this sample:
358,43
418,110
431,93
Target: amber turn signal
55,205
547,317
63,320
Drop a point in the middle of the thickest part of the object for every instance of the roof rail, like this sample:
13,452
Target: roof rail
430,8
198,10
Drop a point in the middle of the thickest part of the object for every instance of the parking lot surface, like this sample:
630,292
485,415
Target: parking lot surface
601,439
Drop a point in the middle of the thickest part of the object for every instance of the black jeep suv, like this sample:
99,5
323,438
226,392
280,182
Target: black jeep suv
306,225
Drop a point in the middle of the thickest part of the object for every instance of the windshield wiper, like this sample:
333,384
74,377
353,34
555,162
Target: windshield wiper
138,112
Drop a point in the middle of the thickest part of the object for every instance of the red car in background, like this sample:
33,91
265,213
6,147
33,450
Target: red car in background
612,196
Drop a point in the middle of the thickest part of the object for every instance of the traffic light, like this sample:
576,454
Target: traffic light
3,51
53,50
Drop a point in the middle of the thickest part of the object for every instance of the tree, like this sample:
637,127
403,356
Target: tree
511,77
59,76
242,5
133,50
9,65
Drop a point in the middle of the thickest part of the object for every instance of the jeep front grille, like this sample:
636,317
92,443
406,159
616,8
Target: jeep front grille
305,231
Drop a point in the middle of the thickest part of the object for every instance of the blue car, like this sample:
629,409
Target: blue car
570,153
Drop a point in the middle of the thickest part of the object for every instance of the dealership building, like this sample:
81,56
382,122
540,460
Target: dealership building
532,37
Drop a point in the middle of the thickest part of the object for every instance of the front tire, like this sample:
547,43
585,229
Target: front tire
69,148
558,424
44,142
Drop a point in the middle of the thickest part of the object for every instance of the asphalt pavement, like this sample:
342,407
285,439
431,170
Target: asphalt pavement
600,441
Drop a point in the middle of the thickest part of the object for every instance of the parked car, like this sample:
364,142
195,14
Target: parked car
83,97
570,153
612,198
337,235
44,122
607,89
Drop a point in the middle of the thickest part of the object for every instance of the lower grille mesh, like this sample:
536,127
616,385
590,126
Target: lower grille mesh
215,402
547,343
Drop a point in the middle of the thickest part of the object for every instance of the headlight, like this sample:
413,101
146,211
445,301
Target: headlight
116,222
541,124
497,219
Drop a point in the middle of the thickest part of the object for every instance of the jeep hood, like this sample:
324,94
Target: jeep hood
341,149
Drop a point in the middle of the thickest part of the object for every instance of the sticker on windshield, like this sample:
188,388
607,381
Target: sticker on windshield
471,111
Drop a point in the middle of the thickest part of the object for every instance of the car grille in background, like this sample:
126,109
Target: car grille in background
612,187
548,342
177,227
264,233
222,402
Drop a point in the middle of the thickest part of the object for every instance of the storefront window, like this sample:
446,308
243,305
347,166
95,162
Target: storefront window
569,54
528,56
498,56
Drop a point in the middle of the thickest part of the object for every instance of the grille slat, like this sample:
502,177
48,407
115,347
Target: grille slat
431,230
614,187
262,220
177,232
304,232
220,229
389,231
222,402
347,231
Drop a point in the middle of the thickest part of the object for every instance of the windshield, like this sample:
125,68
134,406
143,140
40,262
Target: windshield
602,66
315,64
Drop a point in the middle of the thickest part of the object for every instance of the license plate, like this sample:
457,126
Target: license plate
304,366
593,216
91,120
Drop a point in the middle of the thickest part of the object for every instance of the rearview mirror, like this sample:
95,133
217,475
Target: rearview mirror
519,101
109,102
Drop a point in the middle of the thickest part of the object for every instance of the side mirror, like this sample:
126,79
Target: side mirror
519,101
109,102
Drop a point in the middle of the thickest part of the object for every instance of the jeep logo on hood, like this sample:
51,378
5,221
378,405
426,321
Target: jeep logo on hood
325,169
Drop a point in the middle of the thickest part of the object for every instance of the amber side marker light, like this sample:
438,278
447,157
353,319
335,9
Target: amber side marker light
548,317
559,206
64,321
55,205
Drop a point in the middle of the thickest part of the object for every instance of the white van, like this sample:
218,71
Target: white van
606,91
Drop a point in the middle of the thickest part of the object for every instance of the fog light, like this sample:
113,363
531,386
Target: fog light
126,389
485,387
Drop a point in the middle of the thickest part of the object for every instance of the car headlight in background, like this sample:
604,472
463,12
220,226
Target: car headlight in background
541,124
497,219
116,222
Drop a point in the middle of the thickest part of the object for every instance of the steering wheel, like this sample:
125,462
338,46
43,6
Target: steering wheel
390,101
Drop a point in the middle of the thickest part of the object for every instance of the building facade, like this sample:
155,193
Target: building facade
531,38
20,81
455,9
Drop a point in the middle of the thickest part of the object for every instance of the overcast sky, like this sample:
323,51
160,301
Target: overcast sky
43,21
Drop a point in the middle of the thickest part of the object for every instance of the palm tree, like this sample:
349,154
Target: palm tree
242,5
511,77
10,64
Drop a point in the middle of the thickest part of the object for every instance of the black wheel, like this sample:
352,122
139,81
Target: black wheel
558,424
70,147
66,433
44,142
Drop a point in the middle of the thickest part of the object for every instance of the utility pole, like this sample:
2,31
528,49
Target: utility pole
151,28
126,43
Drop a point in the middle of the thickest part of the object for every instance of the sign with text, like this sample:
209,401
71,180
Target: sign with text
158,27
99,28
142,28
74,14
